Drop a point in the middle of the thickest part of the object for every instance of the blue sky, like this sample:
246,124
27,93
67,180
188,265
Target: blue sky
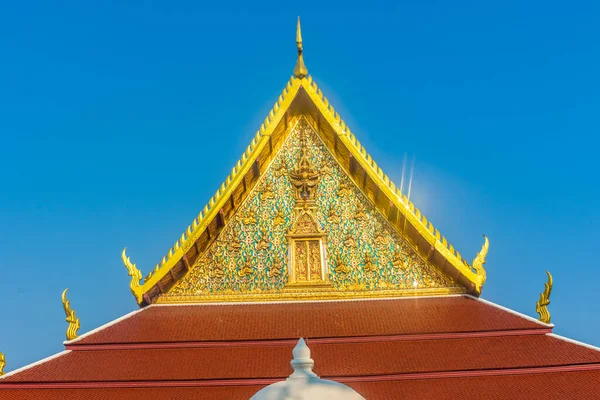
119,121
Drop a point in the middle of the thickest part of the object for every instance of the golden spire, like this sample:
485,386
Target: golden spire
2,364
300,70
71,318
541,307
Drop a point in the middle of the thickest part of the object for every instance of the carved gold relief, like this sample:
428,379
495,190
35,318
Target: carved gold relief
332,217
268,193
344,190
249,219
370,266
315,200
263,243
350,241
275,269
360,214
279,219
304,178
245,270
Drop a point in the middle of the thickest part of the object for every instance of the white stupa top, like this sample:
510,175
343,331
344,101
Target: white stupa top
304,384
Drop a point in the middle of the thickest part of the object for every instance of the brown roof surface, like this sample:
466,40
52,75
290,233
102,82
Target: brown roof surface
386,349
332,360
316,319
554,386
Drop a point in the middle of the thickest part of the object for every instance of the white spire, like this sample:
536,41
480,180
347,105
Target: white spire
304,384
302,363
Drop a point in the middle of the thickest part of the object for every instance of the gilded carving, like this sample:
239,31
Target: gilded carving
268,193
541,307
249,219
341,267
245,270
279,220
332,217
71,317
479,261
344,190
276,269
312,194
370,266
306,224
132,271
263,243
360,214
350,241
2,364
304,178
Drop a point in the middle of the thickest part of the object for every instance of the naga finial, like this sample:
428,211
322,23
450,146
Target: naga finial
541,307
478,262
71,318
133,272
2,363
300,71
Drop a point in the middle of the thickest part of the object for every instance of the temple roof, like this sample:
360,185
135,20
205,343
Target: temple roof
421,346
303,100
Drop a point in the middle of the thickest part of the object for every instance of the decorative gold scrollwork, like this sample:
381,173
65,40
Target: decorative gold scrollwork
132,271
249,219
332,217
2,364
263,243
279,220
275,269
304,177
71,317
246,270
370,266
541,307
479,261
268,193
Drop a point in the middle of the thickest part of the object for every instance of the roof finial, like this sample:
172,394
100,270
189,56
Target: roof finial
2,364
300,70
302,363
541,307
71,318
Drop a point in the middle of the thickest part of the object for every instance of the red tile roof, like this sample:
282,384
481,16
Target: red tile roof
332,360
210,322
386,349
555,386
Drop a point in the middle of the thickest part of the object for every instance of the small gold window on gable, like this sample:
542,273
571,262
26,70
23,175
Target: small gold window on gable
307,259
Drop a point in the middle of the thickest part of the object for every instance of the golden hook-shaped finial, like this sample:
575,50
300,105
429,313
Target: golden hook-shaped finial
300,71
71,318
132,271
541,307
2,364
478,262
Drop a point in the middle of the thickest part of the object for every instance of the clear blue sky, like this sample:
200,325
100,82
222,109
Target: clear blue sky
118,122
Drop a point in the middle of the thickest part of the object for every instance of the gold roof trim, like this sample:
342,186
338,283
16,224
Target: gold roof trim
475,274
406,207
240,169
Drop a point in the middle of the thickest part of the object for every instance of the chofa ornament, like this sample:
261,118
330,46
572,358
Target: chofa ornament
541,307
71,317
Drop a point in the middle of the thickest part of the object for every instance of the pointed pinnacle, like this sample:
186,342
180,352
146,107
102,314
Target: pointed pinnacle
300,71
